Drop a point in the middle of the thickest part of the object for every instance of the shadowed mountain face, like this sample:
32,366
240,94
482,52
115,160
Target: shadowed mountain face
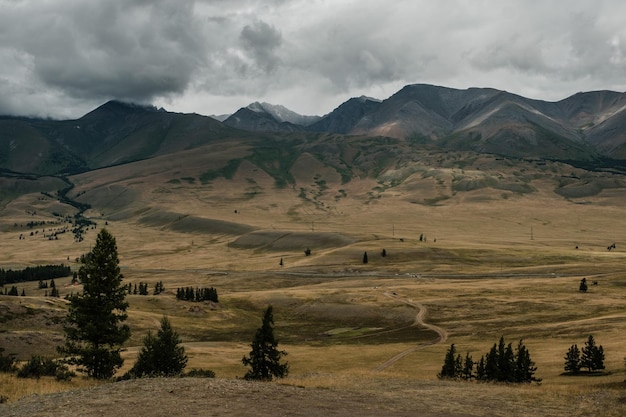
581,127
113,134
585,127
487,120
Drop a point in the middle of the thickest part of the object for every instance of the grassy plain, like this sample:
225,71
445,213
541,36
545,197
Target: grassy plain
485,262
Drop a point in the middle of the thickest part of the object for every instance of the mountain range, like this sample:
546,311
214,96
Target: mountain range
580,127
585,127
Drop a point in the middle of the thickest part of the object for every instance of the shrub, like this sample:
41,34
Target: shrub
200,373
39,366
7,363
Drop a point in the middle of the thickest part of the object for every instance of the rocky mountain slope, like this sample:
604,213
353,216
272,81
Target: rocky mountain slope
588,127
581,127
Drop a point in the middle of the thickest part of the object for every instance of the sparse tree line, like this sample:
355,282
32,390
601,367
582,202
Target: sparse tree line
500,364
142,288
503,364
197,294
13,291
54,291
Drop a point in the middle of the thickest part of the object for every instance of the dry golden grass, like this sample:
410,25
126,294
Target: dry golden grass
14,388
494,263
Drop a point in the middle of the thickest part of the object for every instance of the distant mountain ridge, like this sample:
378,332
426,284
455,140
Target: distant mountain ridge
585,127
483,120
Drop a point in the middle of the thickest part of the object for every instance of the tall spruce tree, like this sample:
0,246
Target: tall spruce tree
264,359
572,360
161,355
592,355
450,368
468,367
93,330
524,367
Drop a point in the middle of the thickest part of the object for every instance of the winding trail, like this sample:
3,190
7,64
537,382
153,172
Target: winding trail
442,334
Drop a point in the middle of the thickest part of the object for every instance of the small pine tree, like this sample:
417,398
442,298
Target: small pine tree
383,253
449,368
480,369
524,367
491,364
264,359
583,285
592,355
468,367
161,355
365,257
572,360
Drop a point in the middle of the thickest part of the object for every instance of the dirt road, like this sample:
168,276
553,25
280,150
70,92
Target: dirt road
442,334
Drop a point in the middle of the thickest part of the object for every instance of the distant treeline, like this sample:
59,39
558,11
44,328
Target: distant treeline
197,294
34,273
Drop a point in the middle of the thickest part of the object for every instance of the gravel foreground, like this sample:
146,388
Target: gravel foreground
187,397
207,397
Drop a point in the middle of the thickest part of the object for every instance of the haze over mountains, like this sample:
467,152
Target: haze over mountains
584,127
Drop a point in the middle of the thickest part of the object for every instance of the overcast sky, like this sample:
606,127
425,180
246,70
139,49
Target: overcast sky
63,58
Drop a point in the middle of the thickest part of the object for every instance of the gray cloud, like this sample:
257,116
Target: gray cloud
64,57
261,40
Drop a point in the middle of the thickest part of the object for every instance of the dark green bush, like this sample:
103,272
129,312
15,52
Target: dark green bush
200,373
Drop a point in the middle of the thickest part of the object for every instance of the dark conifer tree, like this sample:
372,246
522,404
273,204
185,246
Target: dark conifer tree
449,368
161,355
480,369
93,331
491,364
468,367
592,356
572,360
524,367
365,257
264,359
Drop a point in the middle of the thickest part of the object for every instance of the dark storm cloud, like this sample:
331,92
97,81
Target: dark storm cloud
134,50
60,57
261,40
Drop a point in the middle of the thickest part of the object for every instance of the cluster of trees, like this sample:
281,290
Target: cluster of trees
34,273
591,357
500,364
158,288
14,291
54,291
142,289
197,294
